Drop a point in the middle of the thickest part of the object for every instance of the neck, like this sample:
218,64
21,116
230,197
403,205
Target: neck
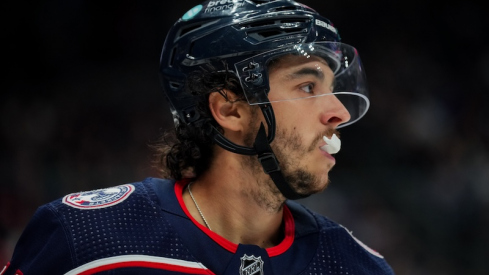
235,205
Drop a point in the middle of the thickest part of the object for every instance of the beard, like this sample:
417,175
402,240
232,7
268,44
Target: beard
290,150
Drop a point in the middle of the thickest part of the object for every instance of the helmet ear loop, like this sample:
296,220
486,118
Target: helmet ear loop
224,93
269,116
222,141
262,149
218,136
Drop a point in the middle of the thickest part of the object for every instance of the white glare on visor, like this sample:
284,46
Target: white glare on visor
307,71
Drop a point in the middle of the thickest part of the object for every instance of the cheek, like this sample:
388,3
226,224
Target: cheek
298,120
291,113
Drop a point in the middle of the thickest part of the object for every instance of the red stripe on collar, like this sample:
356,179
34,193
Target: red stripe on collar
232,247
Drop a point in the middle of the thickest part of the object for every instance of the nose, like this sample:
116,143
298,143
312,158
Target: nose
333,111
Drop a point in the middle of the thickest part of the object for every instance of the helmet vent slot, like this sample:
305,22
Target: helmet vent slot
187,29
270,33
276,27
275,22
175,85
261,24
191,48
285,8
293,20
172,56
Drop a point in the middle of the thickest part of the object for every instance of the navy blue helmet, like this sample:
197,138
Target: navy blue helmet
246,36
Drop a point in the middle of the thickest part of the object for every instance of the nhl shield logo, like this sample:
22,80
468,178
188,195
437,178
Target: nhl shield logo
99,198
251,265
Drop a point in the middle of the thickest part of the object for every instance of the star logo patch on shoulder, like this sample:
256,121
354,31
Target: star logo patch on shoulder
99,198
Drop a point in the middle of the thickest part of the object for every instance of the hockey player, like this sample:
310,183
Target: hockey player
257,90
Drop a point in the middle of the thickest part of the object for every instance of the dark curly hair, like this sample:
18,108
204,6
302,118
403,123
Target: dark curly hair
188,150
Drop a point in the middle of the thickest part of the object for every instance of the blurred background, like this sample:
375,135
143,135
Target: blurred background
81,100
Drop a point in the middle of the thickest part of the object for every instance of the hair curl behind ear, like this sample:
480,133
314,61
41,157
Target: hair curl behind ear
187,151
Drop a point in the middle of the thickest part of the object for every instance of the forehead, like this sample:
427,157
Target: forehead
291,63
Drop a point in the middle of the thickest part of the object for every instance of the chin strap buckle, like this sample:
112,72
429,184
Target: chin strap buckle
269,163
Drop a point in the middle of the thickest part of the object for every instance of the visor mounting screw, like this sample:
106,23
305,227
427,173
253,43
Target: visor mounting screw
253,77
251,66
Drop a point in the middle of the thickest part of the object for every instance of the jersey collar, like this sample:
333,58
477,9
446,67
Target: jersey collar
232,247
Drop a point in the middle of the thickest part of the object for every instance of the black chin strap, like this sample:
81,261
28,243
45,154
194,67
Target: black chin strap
262,148
271,166
242,150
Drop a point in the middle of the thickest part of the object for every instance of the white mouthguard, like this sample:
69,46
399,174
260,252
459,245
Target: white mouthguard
333,145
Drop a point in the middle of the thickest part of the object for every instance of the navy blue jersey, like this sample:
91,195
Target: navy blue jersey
145,228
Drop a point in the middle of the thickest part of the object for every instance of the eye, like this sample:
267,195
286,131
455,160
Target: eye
308,88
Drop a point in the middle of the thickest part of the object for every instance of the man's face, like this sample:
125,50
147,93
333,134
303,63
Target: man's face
302,123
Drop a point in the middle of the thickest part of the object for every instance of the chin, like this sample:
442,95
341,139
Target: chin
321,183
307,182
324,184
313,187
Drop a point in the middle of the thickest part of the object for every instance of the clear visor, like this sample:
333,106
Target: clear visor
307,71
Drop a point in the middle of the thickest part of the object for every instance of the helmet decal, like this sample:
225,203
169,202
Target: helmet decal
192,12
223,5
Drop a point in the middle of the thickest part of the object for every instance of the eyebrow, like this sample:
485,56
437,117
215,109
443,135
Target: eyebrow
306,71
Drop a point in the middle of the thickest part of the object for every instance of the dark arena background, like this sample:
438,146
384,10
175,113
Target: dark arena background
81,101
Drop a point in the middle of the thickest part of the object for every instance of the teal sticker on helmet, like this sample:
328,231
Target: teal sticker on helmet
192,12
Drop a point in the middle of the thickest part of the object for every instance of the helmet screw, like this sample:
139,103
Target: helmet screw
251,66
253,78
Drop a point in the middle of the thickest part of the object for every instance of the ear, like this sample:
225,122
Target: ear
232,115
